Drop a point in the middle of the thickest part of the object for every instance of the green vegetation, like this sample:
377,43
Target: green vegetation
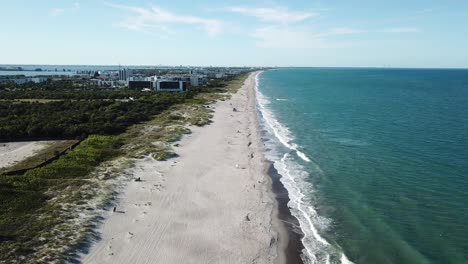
155,137
72,118
51,85
48,211
47,153
73,114
69,94
25,212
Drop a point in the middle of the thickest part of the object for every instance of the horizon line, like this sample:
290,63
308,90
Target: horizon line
237,66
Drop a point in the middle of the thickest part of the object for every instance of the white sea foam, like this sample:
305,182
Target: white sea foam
298,200
302,156
294,179
345,260
281,132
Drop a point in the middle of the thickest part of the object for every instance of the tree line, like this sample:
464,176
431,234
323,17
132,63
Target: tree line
75,118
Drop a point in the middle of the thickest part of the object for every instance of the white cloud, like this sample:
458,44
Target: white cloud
56,12
401,30
274,15
288,38
156,18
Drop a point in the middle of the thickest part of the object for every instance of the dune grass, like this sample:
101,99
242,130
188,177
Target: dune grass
50,151
28,208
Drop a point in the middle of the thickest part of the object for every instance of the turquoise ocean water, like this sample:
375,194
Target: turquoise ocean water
375,161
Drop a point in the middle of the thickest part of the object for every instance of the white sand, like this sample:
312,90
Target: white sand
213,204
11,153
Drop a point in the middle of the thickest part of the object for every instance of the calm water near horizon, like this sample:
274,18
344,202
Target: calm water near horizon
34,73
375,160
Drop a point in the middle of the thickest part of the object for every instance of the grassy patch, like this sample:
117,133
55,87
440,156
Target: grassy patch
50,151
27,207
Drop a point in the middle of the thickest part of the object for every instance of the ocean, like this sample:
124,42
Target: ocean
375,161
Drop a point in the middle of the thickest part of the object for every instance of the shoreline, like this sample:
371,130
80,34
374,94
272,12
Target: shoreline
293,247
214,203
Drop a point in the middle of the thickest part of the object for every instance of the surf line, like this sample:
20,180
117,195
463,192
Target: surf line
283,141
298,196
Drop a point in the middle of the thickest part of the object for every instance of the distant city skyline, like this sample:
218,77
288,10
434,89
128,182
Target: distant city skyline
416,34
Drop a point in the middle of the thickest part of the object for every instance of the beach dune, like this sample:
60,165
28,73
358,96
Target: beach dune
212,204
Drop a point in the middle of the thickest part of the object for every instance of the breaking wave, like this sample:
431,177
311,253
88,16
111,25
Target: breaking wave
281,151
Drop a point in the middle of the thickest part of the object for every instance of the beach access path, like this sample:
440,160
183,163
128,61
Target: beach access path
211,204
14,152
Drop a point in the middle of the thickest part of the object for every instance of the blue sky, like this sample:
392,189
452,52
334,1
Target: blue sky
416,33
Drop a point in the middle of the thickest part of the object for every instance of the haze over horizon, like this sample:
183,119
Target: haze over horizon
421,34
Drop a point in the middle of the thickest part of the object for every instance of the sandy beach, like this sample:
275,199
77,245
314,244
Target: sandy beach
211,204
14,152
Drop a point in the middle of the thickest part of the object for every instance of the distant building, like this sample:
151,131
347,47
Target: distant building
216,75
104,83
140,85
197,80
124,73
137,78
194,81
151,78
171,86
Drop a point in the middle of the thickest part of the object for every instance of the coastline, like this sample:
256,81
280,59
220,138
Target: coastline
213,203
292,247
